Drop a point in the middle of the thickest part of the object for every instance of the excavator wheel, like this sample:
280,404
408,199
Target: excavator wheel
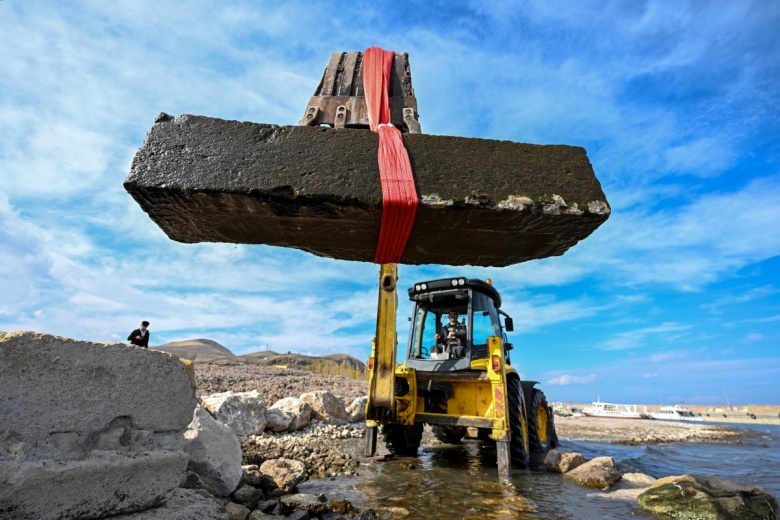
540,428
518,447
403,440
449,435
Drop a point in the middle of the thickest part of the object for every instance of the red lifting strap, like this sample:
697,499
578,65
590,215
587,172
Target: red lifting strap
399,196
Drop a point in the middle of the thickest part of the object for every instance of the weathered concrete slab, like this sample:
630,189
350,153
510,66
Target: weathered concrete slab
57,384
103,484
185,504
483,202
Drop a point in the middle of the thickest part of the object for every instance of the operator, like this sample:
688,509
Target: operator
453,334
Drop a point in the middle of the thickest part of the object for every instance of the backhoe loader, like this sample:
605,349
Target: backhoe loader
453,383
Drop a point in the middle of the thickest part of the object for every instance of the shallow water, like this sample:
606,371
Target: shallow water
461,481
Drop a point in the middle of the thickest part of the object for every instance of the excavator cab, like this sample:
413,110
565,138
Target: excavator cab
474,305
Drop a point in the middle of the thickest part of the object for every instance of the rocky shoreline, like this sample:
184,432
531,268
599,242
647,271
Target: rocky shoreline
335,450
183,441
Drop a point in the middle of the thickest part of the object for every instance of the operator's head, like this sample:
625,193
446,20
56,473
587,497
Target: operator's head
453,316
144,325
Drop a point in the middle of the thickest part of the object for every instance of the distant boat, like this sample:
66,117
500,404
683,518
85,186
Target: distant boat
615,411
675,413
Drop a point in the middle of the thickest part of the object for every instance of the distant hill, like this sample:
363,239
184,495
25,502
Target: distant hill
331,364
196,349
208,350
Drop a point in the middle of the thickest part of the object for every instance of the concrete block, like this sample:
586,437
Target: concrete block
483,202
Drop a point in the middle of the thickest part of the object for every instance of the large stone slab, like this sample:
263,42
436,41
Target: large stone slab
483,202
56,384
185,504
708,498
105,483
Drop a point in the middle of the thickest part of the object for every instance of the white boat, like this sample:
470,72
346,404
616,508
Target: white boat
615,411
675,413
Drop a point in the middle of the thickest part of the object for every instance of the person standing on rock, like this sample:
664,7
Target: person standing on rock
140,336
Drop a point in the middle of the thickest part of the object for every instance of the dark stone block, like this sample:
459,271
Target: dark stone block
482,202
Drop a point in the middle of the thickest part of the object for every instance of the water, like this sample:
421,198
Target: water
451,482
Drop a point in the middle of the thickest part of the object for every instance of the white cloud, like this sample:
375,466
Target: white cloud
566,380
668,356
638,338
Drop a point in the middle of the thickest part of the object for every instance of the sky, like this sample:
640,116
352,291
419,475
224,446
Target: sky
675,299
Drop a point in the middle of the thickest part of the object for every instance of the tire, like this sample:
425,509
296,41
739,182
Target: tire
403,440
518,423
540,427
449,435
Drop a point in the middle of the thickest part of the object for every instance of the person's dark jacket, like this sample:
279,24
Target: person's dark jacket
140,342
459,329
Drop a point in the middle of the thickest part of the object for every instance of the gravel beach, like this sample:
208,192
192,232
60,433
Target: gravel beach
274,384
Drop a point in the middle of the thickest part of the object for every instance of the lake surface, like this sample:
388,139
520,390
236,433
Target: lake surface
461,481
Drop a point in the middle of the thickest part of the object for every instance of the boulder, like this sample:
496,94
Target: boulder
95,428
238,511
298,514
185,504
561,462
599,473
340,505
702,497
243,412
482,202
103,484
95,384
247,496
260,515
286,473
326,406
357,409
288,414
314,504
215,453
630,486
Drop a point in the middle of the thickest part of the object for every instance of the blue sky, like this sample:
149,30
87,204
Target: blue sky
676,298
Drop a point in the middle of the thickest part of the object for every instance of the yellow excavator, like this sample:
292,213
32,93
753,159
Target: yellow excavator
450,381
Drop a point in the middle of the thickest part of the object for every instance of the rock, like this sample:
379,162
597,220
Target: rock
238,511
314,504
326,406
357,409
103,484
702,497
95,428
215,453
266,506
599,473
340,505
298,514
154,390
482,202
247,496
562,462
636,481
289,414
286,473
259,515
183,505
630,486
243,412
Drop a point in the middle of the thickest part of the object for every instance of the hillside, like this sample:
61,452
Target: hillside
331,364
206,350
196,349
